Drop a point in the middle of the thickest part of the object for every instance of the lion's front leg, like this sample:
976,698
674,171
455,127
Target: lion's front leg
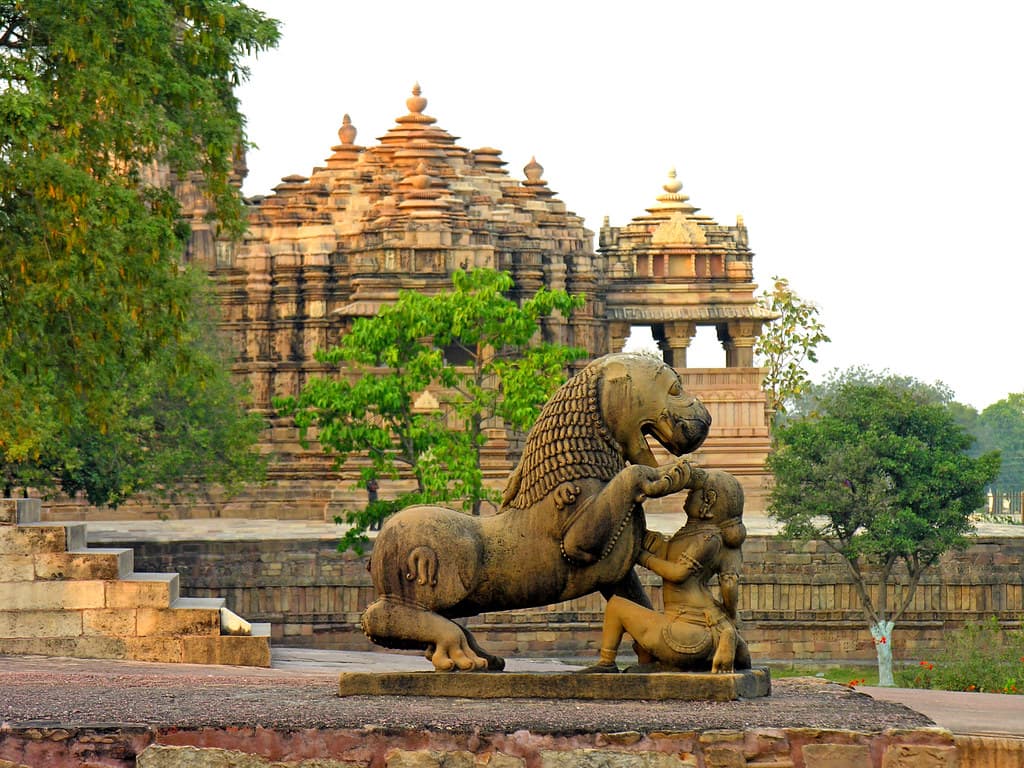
671,478
594,527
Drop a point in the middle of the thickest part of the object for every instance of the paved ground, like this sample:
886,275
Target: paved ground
981,714
300,691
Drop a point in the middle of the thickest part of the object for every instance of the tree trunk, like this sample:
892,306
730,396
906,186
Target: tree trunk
882,634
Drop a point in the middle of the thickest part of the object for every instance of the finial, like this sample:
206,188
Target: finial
416,103
421,177
347,132
533,170
739,220
673,185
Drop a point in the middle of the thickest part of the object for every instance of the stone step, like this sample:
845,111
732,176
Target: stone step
144,590
36,538
199,603
19,511
93,563
233,624
260,629
182,619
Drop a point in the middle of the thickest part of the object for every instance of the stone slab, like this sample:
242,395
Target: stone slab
658,686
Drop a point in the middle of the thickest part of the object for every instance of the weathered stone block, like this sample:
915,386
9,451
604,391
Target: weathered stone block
157,590
747,684
115,622
200,650
30,624
28,540
604,758
989,751
97,564
8,512
178,621
158,756
425,758
723,757
243,651
160,649
52,595
75,647
917,756
16,568
836,755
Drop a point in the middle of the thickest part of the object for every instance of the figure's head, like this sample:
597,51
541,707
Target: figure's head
718,499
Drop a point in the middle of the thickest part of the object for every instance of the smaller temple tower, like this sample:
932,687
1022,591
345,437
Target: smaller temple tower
674,270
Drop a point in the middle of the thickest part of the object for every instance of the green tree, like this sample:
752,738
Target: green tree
787,345
99,325
879,472
1001,427
475,348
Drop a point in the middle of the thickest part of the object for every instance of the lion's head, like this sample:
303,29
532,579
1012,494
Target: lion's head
600,419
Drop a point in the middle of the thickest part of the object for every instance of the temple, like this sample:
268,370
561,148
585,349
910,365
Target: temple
403,214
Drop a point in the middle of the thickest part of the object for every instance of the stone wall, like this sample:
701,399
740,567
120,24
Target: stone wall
797,601
256,747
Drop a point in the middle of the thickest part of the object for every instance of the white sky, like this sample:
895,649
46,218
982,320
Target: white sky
873,148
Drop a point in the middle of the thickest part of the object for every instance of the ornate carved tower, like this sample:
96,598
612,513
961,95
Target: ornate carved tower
674,269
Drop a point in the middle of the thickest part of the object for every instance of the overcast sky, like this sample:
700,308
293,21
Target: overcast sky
874,149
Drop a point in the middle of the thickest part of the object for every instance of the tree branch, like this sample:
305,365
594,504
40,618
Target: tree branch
865,597
11,37
916,569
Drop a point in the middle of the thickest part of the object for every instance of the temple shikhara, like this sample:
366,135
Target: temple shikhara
406,211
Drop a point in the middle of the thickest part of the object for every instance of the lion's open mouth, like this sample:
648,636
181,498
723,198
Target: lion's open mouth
679,435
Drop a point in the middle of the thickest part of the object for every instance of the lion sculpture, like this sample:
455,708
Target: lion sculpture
570,523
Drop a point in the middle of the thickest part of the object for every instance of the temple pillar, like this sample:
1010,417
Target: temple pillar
677,340
739,338
618,332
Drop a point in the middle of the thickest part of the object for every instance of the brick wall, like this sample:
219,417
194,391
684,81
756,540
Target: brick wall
797,600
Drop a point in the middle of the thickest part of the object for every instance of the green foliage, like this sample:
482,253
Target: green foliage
879,471
473,346
788,344
986,657
101,339
1001,427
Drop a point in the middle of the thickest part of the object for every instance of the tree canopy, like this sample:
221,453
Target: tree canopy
103,336
479,354
788,344
1000,427
879,471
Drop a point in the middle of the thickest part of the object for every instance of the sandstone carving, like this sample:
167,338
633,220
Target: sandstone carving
571,520
697,631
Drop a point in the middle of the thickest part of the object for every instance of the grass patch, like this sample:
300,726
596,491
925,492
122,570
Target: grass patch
847,675
986,657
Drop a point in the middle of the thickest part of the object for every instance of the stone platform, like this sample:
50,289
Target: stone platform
658,686
60,713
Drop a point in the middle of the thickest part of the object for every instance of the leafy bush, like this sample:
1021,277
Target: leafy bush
983,657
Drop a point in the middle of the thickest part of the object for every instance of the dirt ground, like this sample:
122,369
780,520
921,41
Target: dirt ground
74,693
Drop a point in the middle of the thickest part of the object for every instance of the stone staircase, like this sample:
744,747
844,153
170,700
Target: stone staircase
59,597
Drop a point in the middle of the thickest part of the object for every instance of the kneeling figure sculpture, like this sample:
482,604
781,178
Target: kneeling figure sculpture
570,523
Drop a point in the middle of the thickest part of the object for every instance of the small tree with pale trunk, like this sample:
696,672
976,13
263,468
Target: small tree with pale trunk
879,472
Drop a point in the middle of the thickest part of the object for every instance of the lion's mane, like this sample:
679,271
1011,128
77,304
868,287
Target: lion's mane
569,441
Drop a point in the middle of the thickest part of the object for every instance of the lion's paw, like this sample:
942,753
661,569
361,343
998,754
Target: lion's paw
565,495
456,655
